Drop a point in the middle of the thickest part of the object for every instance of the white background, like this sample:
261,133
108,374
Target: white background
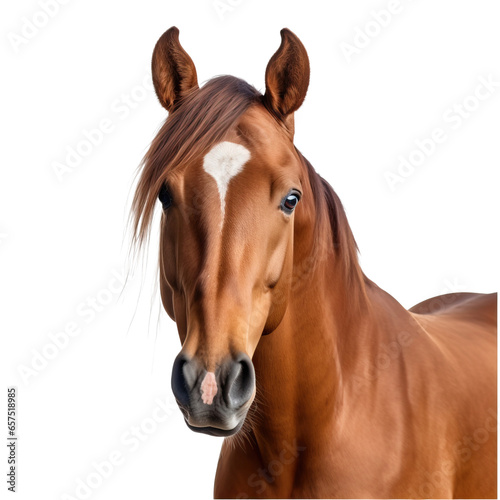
62,240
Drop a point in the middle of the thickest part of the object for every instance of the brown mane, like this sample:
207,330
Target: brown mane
327,201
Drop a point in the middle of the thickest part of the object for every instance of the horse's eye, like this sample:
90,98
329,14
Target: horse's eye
290,202
165,197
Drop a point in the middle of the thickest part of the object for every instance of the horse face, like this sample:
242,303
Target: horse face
227,233
226,264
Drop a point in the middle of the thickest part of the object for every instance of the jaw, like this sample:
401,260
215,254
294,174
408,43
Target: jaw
216,424
214,431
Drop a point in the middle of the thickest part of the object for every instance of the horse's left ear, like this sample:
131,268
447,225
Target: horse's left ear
287,76
174,73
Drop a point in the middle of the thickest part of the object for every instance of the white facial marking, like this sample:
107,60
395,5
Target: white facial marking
223,162
208,388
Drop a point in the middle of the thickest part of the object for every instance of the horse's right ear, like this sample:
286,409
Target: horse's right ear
174,73
287,76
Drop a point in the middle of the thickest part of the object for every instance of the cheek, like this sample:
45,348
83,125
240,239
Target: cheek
277,255
281,270
168,256
172,299
257,321
179,305
167,298
279,297
167,276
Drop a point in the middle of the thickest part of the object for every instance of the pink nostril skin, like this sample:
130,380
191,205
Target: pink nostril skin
208,388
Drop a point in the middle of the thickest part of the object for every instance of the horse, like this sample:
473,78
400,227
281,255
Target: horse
320,382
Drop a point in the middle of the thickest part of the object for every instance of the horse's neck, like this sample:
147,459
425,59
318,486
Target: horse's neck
296,365
301,366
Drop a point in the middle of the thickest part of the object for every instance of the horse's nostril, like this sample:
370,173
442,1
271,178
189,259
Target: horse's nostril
235,378
183,379
240,382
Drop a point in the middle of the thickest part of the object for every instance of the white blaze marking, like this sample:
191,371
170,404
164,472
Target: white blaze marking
223,162
208,388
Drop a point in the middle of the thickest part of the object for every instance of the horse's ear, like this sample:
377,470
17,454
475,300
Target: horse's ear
174,73
287,76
